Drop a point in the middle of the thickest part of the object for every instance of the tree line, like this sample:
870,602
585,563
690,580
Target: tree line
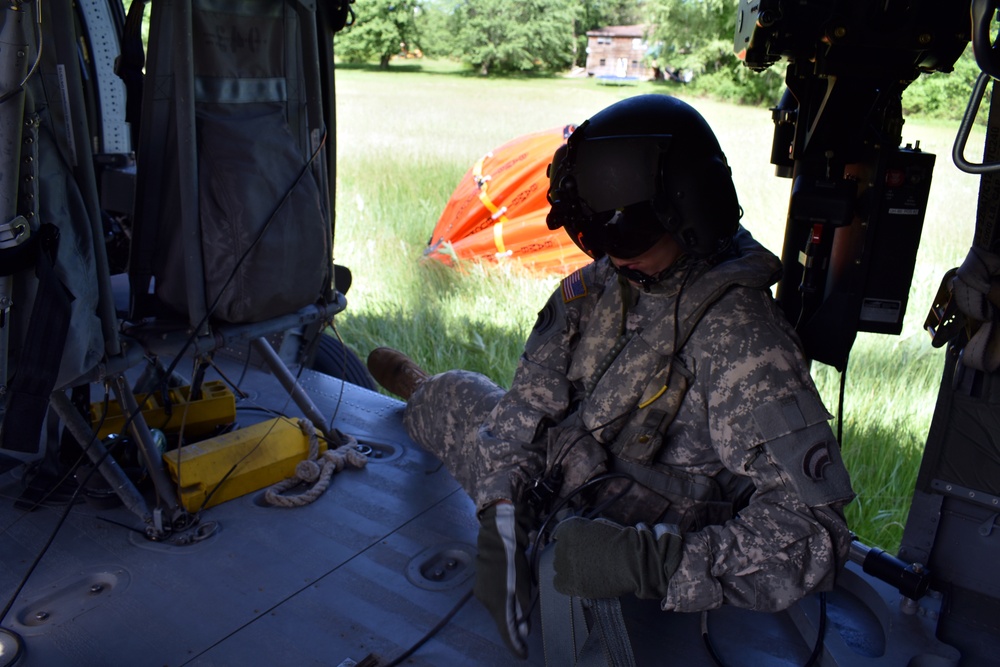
515,36
507,37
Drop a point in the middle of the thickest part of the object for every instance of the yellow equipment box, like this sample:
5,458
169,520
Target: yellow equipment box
216,407
253,457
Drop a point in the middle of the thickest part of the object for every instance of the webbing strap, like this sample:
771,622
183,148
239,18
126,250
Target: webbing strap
610,624
566,639
498,237
987,235
38,367
979,272
974,290
130,65
497,213
564,626
668,483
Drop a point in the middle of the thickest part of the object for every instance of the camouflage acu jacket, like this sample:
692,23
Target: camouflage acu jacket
697,390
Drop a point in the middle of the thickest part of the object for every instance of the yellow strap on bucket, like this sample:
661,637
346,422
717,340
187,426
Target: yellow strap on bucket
497,213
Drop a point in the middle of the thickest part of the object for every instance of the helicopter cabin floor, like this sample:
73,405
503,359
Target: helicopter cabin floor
368,569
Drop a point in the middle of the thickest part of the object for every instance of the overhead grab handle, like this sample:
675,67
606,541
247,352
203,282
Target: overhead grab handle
987,54
988,58
965,129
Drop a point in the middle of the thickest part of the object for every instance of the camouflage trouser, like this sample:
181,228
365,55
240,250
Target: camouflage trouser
444,415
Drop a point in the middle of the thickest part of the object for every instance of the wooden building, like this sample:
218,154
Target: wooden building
618,52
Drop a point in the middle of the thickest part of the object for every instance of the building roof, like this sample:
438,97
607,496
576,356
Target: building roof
618,31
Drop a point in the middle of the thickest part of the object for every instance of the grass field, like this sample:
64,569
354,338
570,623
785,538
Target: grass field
405,138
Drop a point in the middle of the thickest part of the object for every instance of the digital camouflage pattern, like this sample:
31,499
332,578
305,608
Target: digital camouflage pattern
696,389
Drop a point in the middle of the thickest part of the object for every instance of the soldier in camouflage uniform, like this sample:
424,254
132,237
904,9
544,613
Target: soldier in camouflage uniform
661,389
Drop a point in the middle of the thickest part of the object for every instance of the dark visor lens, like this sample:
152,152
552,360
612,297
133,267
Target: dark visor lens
623,234
612,172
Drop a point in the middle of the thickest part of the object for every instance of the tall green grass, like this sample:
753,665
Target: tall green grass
406,137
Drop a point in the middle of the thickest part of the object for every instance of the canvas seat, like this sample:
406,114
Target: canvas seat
226,208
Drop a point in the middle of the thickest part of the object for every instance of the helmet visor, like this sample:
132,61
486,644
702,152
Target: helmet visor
614,172
623,234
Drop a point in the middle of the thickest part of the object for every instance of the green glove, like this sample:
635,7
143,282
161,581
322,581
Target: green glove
503,578
600,559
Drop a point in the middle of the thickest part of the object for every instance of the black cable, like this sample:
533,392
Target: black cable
62,519
564,501
688,272
170,369
246,253
813,656
840,405
820,632
246,367
430,633
232,469
560,505
567,447
534,549
211,309
39,37
343,374
41,554
69,472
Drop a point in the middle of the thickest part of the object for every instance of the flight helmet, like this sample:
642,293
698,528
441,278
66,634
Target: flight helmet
642,167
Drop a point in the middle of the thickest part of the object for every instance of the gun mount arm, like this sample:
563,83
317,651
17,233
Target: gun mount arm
912,580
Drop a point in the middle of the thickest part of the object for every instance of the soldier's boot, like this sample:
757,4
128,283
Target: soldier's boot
395,371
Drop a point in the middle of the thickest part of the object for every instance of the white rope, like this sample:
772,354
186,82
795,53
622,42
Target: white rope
316,470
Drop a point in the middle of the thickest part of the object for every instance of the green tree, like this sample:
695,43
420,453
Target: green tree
434,32
505,36
381,29
945,94
697,35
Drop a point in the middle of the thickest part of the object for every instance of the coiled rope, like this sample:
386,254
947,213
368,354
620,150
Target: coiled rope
316,470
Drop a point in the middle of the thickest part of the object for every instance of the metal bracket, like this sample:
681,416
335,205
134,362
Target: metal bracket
944,320
987,528
14,233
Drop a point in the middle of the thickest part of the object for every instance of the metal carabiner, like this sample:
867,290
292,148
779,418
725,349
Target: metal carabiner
988,59
965,129
987,55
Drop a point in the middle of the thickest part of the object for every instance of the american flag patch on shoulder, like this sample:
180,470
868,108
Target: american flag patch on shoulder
573,286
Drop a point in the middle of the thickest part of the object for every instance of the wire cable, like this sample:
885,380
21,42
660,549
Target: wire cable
59,524
189,341
817,649
246,253
343,374
840,404
167,374
430,633
38,57
689,271
174,363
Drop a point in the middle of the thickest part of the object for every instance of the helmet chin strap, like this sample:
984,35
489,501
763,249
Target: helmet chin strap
644,280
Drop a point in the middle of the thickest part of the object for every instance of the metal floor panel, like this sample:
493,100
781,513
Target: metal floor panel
368,569
308,585
379,604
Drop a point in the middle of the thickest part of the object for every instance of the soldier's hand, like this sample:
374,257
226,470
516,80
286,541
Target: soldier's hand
503,577
600,559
